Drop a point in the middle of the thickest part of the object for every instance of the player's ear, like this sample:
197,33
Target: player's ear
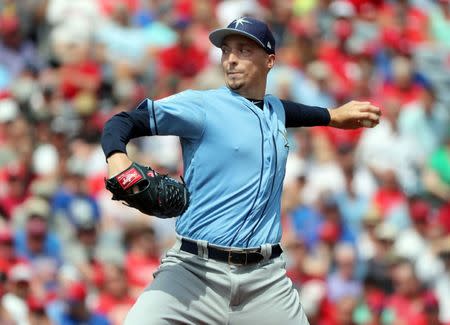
270,61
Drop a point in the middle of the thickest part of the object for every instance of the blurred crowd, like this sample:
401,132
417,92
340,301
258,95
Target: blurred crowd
366,213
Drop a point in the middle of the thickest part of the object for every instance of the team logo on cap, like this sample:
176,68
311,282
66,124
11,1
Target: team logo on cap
240,21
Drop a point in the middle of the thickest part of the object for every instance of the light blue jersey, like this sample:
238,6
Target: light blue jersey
234,158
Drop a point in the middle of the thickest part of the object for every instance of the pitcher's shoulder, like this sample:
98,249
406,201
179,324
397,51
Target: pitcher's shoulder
202,93
217,91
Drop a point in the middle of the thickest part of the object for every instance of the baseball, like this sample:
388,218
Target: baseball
366,123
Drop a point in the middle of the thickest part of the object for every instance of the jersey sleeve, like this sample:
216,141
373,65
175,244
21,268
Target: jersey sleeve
303,115
181,114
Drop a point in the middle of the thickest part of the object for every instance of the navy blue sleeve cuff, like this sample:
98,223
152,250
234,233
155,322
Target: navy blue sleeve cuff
303,115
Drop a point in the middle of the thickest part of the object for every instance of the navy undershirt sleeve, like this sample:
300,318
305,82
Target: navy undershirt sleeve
303,115
123,127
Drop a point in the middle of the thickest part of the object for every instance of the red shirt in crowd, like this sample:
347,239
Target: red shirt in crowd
387,200
140,269
15,181
183,61
107,303
409,311
343,67
405,96
414,29
75,77
328,313
444,218
337,136
108,6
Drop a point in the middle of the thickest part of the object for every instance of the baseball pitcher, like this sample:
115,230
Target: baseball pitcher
227,266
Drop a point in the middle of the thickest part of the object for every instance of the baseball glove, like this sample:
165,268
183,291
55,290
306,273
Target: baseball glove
151,193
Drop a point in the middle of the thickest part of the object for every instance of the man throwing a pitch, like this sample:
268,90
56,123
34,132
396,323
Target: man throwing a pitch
227,266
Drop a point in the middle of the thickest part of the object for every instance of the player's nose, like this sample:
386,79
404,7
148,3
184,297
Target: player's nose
232,57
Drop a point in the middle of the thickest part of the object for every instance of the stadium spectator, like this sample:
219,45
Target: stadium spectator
353,200
37,241
14,301
8,256
297,253
77,311
426,121
142,257
115,297
412,242
16,52
183,60
442,283
440,22
366,242
384,148
343,281
407,303
37,311
378,267
437,174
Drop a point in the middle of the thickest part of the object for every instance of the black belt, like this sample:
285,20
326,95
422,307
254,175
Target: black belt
231,256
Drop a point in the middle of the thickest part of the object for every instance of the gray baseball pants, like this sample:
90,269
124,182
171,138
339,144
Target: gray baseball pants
191,289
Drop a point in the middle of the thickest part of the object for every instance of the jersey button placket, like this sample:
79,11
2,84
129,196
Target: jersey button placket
267,139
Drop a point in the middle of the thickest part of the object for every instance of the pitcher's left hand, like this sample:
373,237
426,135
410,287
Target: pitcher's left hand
355,114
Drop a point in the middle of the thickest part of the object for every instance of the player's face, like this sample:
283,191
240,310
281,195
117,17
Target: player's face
245,65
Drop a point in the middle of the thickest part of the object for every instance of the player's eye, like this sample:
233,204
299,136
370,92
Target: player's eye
245,51
225,50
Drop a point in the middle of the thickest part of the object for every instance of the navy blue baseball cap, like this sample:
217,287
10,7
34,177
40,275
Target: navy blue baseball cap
248,27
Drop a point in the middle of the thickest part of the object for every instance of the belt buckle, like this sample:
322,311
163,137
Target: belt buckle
242,251
238,263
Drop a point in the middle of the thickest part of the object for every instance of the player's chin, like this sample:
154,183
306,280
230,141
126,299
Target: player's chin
234,85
